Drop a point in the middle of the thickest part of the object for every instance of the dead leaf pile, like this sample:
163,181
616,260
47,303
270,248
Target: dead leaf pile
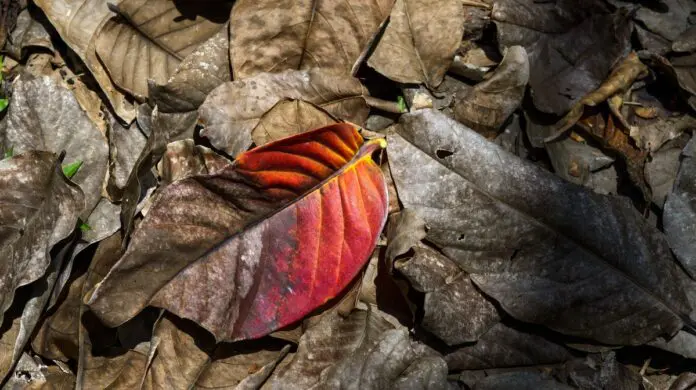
367,194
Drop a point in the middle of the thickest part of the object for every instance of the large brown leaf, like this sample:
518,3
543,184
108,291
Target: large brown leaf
420,41
273,36
151,38
220,263
289,117
229,126
548,251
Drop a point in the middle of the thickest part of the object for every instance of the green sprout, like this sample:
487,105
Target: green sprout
84,227
70,170
3,102
402,103
9,152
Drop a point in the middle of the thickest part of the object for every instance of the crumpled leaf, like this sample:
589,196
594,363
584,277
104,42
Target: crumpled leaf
273,36
186,357
679,217
125,146
490,103
289,117
77,22
28,33
238,223
599,372
668,20
59,125
151,38
420,41
197,75
183,159
229,126
32,374
504,346
571,44
549,252
39,208
661,170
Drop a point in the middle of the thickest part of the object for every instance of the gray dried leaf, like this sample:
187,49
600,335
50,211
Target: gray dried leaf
504,346
39,208
571,44
198,74
522,380
549,252
44,115
229,126
420,41
77,22
273,36
289,117
125,146
600,371
31,373
685,69
679,216
661,171
686,42
667,20
150,38
405,230
183,158
28,33
490,103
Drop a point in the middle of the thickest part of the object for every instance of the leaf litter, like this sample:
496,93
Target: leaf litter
374,194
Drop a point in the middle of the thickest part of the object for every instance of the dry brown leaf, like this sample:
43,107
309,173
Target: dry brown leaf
289,117
273,36
420,41
183,158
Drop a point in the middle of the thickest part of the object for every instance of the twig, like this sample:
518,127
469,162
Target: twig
384,105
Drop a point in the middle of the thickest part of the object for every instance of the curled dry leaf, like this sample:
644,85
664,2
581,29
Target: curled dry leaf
39,208
149,39
183,159
680,212
229,127
490,103
77,22
420,41
59,125
572,45
234,245
273,36
549,252
289,117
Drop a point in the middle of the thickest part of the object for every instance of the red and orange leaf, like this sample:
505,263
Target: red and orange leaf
258,245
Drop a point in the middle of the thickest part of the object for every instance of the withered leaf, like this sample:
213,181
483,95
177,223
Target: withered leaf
229,126
289,117
273,36
668,19
490,103
420,41
549,252
680,211
183,159
199,73
522,380
39,208
227,266
44,115
151,38
28,33
571,44
77,22
661,170
125,146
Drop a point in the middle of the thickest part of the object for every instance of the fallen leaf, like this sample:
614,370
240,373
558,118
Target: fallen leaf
289,117
504,346
273,36
685,42
183,159
149,38
229,127
28,33
77,22
60,124
419,42
241,208
668,20
39,208
685,68
490,103
125,146
680,212
197,75
559,38
31,374
661,170
520,381
599,372
549,252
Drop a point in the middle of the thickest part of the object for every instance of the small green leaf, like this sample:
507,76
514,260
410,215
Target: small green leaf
9,152
402,103
71,169
84,227
3,104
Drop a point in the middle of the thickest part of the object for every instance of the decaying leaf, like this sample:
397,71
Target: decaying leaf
28,33
522,380
680,212
151,38
661,170
289,117
183,159
44,115
77,22
39,208
420,41
549,252
234,247
229,127
125,146
31,374
273,36
571,44
490,103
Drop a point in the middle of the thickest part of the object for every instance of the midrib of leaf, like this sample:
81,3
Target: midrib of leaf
683,317
413,41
